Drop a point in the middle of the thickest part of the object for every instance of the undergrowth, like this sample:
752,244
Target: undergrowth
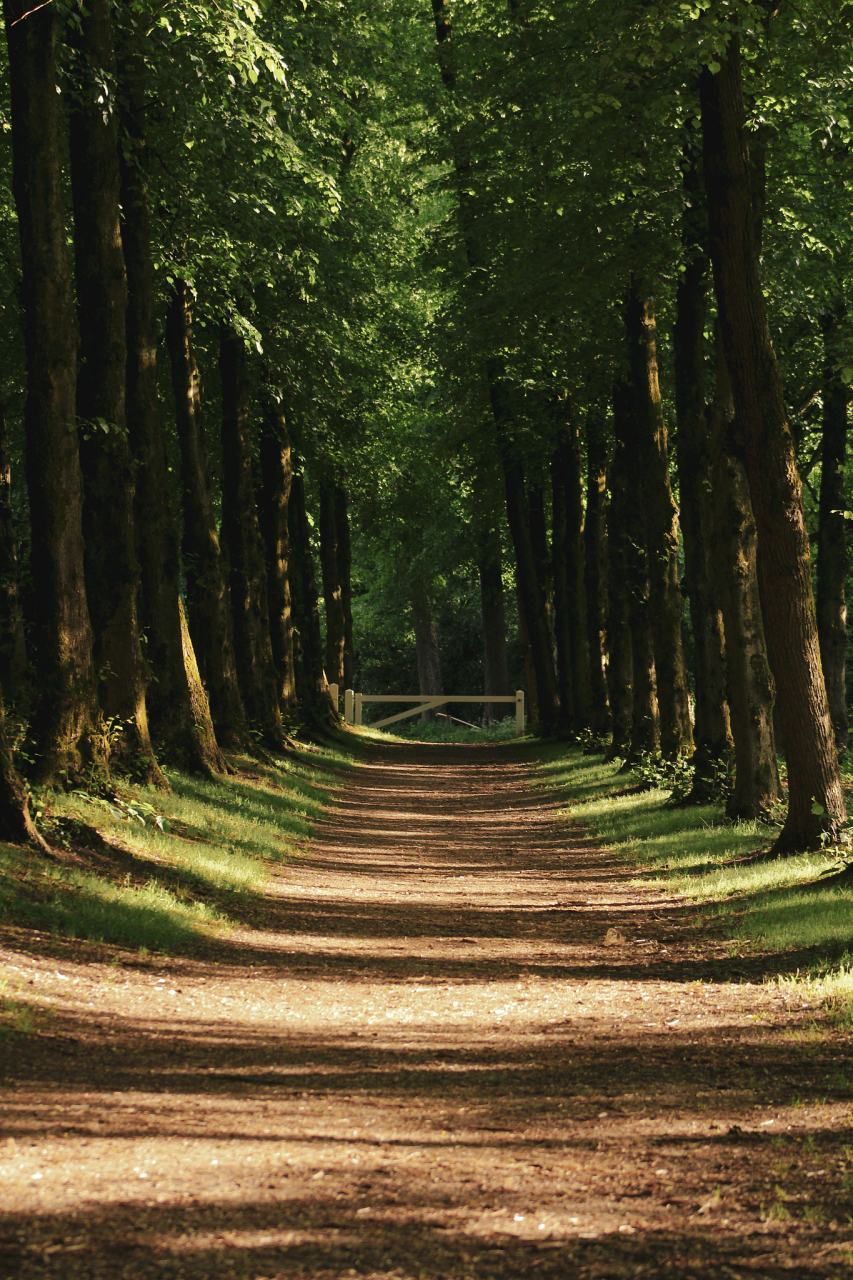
791,907
162,872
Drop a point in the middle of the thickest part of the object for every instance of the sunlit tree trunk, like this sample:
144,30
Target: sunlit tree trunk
208,607
814,783
312,687
661,522
177,704
65,714
111,566
256,671
332,585
276,479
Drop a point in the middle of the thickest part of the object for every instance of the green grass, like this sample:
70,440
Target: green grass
176,868
777,906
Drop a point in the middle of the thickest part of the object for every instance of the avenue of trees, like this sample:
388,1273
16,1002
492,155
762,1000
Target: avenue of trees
321,327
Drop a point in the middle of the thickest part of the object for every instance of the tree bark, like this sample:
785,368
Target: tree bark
65,714
208,611
345,573
13,653
712,730
734,549
595,569
111,566
495,658
256,670
16,822
426,646
833,553
312,687
814,784
620,667
276,479
177,705
332,586
644,721
567,489
661,522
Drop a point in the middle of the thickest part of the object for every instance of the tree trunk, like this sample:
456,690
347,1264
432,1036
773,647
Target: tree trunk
13,653
620,667
495,662
426,646
256,670
661,522
332,586
749,683
312,687
833,554
111,566
65,714
567,487
276,479
644,722
177,705
595,569
563,568
814,784
526,651
712,731
207,596
16,823
345,572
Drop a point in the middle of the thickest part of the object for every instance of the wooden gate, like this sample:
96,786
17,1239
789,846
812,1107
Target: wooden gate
353,703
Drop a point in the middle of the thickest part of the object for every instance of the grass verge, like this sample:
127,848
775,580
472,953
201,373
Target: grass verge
166,873
779,907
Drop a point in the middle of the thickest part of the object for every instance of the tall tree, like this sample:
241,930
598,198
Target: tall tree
177,704
661,521
208,604
276,478
332,584
111,566
65,713
256,671
13,653
814,784
833,552
595,568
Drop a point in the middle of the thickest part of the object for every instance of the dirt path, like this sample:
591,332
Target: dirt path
432,1062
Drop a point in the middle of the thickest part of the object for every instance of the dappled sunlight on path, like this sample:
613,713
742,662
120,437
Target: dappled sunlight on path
463,1043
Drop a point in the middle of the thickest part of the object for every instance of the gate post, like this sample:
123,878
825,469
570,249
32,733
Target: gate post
348,706
519,712
358,708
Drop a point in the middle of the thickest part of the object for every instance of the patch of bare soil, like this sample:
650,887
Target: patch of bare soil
462,1044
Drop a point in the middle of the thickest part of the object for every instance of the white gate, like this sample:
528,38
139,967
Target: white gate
353,703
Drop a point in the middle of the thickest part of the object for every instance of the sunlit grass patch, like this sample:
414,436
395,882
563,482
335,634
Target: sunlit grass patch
832,987
173,867
775,905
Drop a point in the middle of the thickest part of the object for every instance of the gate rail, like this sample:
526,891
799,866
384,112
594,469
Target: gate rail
354,702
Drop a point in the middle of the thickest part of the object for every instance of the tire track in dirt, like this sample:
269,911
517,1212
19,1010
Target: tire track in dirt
430,1062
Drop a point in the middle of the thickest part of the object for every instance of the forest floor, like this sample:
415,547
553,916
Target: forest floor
461,1041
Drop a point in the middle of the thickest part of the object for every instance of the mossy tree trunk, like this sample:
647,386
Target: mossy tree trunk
208,610
111,566
256,670
815,799
65,715
276,479
332,585
178,709
665,603
734,548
